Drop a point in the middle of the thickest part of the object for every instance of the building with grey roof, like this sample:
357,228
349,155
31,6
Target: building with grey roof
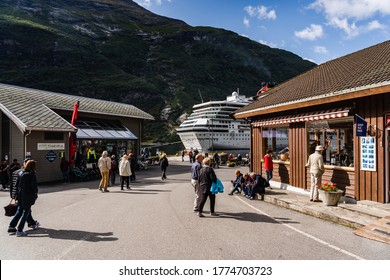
329,105
38,123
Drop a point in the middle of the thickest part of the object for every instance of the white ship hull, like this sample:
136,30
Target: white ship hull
210,126
193,141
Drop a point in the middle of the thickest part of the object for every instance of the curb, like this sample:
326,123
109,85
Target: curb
313,212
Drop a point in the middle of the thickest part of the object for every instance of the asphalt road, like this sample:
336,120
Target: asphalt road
154,220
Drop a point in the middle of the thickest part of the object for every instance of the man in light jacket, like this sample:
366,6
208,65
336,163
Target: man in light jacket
104,165
316,165
125,171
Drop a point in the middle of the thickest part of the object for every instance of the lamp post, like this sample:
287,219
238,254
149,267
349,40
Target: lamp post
212,132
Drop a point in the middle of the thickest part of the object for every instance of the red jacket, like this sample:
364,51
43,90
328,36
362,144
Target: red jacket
268,163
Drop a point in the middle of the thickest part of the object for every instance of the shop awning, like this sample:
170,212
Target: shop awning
99,131
314,116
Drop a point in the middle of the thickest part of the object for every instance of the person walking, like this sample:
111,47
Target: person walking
269,166
196,166
113,170
27,195
64,166
4,174
15,165
124,171
104,165
14,190
316,165
183,153
164,164
133,165
216,160
205,178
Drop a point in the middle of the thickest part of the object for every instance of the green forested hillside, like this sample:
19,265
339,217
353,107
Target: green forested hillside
116,50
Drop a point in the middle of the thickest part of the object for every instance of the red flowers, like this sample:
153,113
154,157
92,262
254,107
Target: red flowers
329,187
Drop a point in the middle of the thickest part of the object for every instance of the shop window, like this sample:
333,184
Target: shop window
336,136
276,139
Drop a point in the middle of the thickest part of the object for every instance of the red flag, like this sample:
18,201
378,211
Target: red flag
72,135
75,112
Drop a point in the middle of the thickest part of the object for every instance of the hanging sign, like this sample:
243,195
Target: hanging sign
368,154
361,126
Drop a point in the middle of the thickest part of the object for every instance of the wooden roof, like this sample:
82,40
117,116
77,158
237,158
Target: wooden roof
365,72
32,109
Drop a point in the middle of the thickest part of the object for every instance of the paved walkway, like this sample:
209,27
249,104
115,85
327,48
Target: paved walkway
370,219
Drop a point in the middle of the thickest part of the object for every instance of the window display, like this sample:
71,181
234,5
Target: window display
276,139
336,136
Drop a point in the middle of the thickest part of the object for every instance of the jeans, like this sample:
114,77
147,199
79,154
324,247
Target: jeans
269,175
247,190
22,214
236,186
112,178
65,176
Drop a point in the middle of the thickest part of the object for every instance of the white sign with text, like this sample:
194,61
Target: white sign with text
50,146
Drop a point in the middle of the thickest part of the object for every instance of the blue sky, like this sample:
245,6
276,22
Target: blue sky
317,30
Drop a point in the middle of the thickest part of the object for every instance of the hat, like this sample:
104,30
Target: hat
319,148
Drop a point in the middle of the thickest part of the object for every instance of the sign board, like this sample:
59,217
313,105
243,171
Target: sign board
50,146
51,156
367,154
361,127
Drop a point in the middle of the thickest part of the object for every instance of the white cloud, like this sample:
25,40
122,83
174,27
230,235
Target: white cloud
144,3
350,29
346,14
320,49
246,22
149,3
354,9
261,12
269,44
373,25
311,33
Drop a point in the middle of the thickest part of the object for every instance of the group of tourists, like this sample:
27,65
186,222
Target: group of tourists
202,177
249,184
108,167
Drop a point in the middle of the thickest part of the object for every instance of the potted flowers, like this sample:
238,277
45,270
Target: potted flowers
330,194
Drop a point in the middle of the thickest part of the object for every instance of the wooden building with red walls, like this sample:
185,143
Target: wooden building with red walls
323,107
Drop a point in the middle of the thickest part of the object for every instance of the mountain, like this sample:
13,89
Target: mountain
116,50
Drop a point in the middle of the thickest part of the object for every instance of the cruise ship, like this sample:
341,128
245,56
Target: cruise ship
211,127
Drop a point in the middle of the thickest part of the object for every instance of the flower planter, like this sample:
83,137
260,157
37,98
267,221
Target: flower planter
330,198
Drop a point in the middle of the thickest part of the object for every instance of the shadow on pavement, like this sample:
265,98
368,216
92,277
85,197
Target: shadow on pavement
254,218
72,235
